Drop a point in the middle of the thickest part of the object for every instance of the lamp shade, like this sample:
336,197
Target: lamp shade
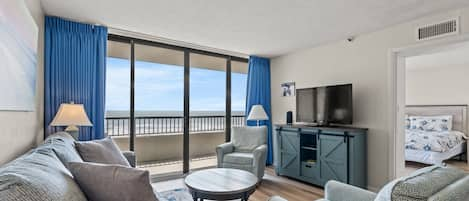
257,113
71,115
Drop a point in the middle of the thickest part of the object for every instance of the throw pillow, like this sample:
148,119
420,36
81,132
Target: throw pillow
103,182
432,123
101,151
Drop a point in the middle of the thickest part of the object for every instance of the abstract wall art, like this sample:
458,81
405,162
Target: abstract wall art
18,60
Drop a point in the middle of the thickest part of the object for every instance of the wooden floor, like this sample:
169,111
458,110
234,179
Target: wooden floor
271,185
290,189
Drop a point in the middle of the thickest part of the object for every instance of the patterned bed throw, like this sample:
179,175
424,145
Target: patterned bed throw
432,140
433,183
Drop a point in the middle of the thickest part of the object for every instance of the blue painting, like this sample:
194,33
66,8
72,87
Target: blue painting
18,57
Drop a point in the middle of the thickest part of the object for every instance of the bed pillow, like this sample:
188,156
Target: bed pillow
431,123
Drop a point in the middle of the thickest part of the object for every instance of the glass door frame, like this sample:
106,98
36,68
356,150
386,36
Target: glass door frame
186,151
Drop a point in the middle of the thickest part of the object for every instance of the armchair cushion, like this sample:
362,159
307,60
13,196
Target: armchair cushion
246,139
239,158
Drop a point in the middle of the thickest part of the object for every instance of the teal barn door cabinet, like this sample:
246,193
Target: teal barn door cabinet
319,154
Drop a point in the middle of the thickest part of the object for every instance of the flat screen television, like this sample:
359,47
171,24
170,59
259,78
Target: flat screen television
325,105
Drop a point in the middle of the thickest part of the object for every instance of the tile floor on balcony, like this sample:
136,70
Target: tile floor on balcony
163,168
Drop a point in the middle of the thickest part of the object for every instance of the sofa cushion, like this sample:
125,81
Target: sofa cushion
63,145
455,191
40,176
101,151
239,158
115,182
246,139
422,185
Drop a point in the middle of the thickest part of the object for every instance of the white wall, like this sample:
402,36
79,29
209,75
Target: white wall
364,63
445,85
19,131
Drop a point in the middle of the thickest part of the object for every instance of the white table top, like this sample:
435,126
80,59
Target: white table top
221,181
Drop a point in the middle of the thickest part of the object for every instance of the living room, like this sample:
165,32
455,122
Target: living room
221,100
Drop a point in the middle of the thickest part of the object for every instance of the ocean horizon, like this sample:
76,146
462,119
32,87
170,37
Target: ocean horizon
161,113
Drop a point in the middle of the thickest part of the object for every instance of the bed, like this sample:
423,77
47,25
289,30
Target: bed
434,146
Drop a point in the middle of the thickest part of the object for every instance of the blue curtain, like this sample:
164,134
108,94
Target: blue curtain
258,93
74,70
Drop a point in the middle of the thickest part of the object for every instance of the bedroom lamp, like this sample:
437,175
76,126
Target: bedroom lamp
71,115
257,113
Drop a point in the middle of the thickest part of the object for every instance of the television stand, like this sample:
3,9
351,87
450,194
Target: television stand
317,154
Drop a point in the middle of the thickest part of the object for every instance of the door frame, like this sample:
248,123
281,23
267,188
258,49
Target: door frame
396,88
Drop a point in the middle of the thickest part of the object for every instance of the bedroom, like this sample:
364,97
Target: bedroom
436,108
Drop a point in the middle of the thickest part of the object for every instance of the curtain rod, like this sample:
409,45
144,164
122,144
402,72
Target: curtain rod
133,34
122,32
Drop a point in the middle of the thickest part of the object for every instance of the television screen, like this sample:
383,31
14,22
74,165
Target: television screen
324,105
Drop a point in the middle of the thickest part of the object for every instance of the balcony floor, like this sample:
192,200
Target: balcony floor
164,168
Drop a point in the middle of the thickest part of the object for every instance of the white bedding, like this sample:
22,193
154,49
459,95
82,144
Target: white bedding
431,157
436,141
432,147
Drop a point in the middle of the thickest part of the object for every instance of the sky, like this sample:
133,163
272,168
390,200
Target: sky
160,87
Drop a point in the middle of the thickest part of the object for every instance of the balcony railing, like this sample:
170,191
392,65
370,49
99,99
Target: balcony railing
158,125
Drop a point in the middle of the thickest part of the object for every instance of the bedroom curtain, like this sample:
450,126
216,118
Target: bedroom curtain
74,70
258,93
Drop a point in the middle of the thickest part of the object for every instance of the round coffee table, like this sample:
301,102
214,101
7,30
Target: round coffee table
221,184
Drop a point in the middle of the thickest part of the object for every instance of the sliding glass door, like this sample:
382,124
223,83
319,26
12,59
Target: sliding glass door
159,107
172,105
117,114
239,79
207,109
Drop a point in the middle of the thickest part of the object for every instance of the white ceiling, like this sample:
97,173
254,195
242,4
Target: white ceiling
453,56
259,27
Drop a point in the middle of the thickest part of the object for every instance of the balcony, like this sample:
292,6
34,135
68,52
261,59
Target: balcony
158,139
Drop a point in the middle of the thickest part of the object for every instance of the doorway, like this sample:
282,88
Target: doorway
400,59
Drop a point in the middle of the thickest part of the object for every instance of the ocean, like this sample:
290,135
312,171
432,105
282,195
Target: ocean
148,113
169,122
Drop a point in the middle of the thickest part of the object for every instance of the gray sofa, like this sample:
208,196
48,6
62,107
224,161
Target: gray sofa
433,183
41,175
247,150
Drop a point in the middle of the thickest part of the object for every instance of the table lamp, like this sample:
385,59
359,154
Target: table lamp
71,115
257,113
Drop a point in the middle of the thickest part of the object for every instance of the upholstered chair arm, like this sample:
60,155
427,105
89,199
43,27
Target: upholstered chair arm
260,156
222,150
336,191
131,158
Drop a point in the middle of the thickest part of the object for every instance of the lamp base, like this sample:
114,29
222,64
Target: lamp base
73,131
